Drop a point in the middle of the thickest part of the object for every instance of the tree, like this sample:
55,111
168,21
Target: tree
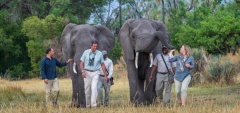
12,48
217,32
40,33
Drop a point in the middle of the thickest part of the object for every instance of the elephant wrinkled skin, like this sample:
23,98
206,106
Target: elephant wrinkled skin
141,41
75,39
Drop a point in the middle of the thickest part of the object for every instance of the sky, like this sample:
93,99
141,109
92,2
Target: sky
113,5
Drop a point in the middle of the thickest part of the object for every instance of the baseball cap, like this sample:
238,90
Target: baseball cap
104,52
164,47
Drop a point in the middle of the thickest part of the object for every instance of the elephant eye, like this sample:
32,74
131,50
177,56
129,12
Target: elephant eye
133,36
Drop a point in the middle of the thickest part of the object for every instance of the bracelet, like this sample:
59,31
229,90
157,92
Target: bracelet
82,71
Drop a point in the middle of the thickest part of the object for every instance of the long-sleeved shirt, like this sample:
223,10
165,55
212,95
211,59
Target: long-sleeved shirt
182,73
109,67
48,67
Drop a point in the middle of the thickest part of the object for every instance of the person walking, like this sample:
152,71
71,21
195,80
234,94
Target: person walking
182,77
91,62
163,66
49,75
105,85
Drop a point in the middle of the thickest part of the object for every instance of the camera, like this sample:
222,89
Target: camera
91,62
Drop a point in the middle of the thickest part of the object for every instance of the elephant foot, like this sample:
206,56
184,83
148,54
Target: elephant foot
74,104
137,103
147,103
81,106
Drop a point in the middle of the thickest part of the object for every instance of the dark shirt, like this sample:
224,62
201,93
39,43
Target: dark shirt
48,67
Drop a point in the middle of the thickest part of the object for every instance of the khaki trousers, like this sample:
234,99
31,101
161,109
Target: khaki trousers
161,84
52,84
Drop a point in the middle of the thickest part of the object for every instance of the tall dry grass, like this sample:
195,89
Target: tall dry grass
27,96
216,69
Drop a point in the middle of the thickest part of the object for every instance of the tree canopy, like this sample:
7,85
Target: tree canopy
28,27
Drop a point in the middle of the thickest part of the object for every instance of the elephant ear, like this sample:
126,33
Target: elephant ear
65,40
124,38
105,38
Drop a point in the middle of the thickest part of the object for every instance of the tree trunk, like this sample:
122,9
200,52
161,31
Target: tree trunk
207,3
174,4
120,14
191,6
163,12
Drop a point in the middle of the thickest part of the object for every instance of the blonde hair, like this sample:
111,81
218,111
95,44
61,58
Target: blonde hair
188,49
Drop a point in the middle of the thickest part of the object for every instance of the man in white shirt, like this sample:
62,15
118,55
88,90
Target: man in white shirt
103,85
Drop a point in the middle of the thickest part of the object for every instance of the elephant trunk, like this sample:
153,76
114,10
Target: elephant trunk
163,38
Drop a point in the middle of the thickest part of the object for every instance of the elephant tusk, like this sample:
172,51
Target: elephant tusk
74,68
136,60
151,59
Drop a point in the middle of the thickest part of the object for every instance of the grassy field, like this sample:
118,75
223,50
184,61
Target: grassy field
27,96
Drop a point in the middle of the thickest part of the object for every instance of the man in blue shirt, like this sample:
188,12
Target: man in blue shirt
49,75
91,62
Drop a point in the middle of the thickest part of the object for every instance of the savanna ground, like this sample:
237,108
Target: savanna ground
28,96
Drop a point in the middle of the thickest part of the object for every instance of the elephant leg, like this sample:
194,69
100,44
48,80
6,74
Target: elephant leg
74,81
133,81
141,91
78,95
75,91
150,90
81,92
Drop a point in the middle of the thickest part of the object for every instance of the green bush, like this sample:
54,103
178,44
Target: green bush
116,53
221,69
40,32
200,62
214,70
16,72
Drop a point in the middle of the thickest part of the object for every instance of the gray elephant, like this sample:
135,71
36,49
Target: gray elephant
75,40
141,41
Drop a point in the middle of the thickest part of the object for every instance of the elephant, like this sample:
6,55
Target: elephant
141,40
75,39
